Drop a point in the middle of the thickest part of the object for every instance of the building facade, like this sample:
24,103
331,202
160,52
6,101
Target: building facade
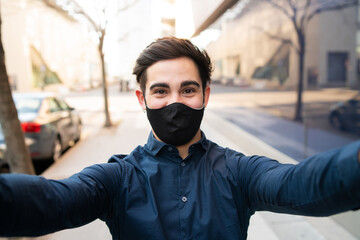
136,28
254,48
44,46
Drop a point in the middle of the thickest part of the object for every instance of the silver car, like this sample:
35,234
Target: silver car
49,123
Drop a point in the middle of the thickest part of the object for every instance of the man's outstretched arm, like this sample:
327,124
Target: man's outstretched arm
324,184
33,205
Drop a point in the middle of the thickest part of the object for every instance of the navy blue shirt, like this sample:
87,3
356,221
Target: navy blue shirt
154,194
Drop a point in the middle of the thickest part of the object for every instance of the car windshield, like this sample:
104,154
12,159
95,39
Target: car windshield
27,105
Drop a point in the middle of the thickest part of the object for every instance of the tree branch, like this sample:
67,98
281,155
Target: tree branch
79,10
278,38
303,17
292,5
52,4
124,8
279,7
332,8
127,6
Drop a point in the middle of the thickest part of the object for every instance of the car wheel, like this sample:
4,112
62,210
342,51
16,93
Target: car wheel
56,150
336,121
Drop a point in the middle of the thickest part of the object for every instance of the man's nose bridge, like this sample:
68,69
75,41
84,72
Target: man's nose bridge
175,97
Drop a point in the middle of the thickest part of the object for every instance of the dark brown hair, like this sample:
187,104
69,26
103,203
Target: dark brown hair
170,48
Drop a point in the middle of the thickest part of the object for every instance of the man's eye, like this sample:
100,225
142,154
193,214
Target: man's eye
189,90
160,91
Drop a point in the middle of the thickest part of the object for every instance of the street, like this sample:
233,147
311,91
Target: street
268,115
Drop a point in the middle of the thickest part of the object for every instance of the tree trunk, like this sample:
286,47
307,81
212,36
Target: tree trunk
17,153
299,104
104,83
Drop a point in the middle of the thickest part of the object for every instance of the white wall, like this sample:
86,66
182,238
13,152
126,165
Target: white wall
63,43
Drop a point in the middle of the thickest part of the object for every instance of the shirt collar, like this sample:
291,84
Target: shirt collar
155,145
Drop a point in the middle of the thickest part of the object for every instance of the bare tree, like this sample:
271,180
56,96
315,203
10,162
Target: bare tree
105,14
17,153
300,13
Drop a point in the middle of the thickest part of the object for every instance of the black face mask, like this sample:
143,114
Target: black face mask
175,123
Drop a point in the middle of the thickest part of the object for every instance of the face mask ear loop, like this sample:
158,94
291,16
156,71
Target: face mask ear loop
145,104
207,84
203,100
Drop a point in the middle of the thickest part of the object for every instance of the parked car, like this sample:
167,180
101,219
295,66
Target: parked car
50,125
346,115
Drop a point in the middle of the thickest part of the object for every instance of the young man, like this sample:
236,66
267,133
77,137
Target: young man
179,185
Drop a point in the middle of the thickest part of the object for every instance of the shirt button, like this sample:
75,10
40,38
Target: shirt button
170,149
184,199
182,164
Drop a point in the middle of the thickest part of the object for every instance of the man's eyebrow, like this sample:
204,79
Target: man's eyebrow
190,82
164,85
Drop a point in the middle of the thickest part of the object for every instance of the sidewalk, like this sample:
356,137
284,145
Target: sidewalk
134,129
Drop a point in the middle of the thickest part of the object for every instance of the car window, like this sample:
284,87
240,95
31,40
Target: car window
27,105
45,107
63,104
54,106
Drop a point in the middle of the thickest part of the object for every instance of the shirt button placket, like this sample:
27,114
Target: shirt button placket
183,199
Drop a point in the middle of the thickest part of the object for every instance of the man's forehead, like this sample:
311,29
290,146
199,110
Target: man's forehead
173,72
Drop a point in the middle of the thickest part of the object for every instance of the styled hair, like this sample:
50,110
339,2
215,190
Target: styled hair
167,48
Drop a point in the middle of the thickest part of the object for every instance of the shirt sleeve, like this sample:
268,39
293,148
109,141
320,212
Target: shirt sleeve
33,205
321,185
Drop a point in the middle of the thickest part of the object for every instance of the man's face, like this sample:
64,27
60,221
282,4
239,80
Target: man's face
175,80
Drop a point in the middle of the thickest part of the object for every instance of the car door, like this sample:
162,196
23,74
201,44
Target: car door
61,120
71,122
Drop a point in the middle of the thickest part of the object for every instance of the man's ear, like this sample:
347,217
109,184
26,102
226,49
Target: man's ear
141,98
206,95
